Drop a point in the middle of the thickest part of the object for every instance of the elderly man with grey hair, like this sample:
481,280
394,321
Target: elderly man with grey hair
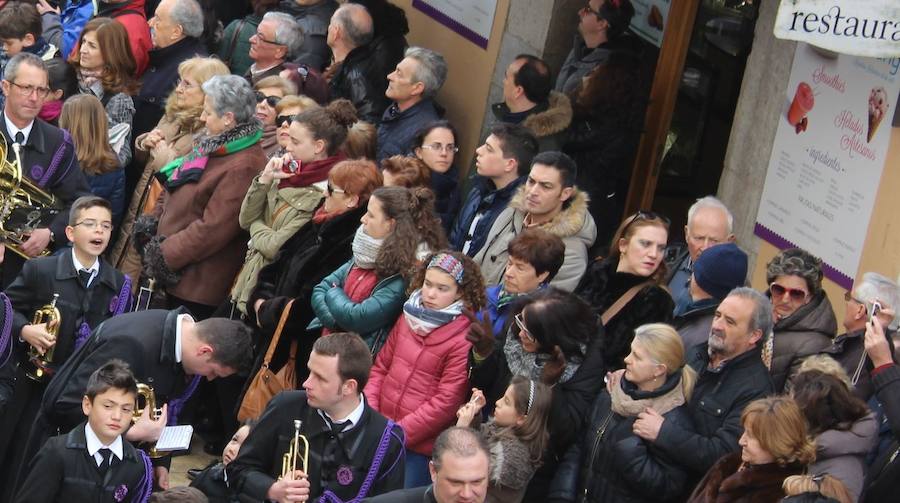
277,40
199,245
849,348
358,76
176,31
730,375
709,223
313,17
412,87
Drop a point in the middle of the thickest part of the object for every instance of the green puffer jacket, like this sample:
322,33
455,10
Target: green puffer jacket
371,318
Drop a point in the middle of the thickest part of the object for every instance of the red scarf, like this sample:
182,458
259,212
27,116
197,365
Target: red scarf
358,286
311,172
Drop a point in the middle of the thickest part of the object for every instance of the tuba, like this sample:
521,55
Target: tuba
146,392
47,314
24,206
291,458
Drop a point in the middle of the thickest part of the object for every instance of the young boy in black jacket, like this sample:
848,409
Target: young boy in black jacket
90,291
94,462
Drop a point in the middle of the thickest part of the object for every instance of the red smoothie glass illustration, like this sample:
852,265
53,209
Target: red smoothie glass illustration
802,104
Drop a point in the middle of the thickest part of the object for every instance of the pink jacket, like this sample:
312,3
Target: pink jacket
420,381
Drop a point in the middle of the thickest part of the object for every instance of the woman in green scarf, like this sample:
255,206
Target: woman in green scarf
198,247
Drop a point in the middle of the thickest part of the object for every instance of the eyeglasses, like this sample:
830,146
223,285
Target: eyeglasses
42,92
520,322
437,147
92,224
795,294
262,38
330,189
281,120
646,215
270,100
186,85
587,9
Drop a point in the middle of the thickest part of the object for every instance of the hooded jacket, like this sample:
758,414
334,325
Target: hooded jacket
548,121
573,224
842,453
693,325
313,20
490,202
806,332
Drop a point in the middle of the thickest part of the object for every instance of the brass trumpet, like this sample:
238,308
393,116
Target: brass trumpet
47,314
293,455
146,392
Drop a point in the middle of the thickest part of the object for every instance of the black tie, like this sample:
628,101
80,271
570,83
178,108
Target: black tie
20,138
84,275
104,465
338,427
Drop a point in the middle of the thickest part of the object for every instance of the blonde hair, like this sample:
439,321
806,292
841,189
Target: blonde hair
287,87
302,102
361,140
201,70
826,485
664,346
780,428
826,365
85,118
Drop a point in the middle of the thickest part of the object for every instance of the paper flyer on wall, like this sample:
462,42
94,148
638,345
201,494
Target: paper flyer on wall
828,156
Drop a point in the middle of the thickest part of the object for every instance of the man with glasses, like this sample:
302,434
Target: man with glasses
602,26
849,348
277,39
47,155
709,223
89,291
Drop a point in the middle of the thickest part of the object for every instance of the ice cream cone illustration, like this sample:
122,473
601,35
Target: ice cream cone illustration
878,107
803,102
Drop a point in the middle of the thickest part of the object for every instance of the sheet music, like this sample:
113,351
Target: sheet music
175,438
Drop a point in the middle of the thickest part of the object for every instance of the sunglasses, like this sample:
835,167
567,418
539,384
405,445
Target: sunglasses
795,294
330,189
270,100
520,322
281,120
646,215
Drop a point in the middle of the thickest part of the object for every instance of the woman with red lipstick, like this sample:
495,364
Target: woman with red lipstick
635,272
419,378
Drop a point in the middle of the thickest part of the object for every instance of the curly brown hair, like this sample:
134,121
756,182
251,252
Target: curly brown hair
406,171
472,286
119,65
406,208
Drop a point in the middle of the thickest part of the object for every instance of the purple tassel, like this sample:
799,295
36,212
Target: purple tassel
380,452
146,486
122,302
57,158
177,404
84,331
6,330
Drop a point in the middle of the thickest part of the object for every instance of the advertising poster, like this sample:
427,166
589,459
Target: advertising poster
472,19
828,155
649,21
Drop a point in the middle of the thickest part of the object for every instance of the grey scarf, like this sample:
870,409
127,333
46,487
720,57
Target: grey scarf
365,249
531,365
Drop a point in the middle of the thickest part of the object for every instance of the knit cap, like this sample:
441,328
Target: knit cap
720,269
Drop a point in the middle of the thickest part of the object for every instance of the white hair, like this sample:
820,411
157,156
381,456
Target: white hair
287,32
876,286
710,202
189,15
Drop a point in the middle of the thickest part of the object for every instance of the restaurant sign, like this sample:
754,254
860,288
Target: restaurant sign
868,28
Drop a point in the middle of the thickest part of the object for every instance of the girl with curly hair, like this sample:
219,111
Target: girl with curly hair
419,378
366,294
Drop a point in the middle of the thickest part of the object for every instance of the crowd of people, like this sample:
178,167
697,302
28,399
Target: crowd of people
250,217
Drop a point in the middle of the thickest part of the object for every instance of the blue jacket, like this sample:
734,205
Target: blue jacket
498,314
110,186
485,198
398,129
372,318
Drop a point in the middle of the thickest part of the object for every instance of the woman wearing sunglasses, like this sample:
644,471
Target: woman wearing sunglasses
283,198
550,338
269,93
634,272
804,320
285,110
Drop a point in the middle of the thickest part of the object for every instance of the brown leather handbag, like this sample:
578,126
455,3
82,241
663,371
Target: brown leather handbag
266,383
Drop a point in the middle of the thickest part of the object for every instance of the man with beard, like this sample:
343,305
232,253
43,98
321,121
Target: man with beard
730,374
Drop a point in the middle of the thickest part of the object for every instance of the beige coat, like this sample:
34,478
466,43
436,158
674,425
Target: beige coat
272,216
123,255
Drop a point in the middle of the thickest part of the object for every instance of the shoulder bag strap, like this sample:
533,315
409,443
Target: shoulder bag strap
229,55
277,335
621,302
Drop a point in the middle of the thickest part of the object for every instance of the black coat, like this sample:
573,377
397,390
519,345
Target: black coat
715,407
694,324
159,81
601,286
63,471
315,251
258,464
48,160
313,20
612,464
571,403
361,80
446,196
883,478
424,494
